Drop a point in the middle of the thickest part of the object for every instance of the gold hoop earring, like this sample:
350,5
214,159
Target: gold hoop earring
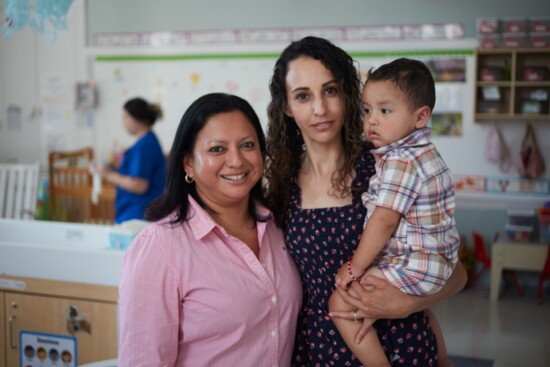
188,178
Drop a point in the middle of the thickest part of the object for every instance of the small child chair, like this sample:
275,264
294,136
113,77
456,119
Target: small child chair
480,254
544,275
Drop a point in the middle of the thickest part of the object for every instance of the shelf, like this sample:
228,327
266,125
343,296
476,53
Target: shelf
501,91
491,201
482,117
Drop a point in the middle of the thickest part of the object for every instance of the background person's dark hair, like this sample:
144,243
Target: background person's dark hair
143,111
412,77
284,140
193,120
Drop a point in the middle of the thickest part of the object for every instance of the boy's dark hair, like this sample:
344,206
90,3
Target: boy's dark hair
410,76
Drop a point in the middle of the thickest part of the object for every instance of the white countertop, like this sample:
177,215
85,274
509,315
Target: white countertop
59,251
488,200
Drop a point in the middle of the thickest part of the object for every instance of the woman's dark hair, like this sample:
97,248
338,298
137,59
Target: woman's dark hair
284,140
193,120
143,111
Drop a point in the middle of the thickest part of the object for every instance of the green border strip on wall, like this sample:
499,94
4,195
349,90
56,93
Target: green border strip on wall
234,56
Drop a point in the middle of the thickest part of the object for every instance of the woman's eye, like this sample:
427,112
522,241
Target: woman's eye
331,90
248,145
216,149
301,96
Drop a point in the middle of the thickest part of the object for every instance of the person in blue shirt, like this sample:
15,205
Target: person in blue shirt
141,175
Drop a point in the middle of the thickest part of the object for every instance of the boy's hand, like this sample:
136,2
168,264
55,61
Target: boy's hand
343,280
346,275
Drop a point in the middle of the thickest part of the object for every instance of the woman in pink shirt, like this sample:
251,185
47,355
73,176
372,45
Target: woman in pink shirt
210,282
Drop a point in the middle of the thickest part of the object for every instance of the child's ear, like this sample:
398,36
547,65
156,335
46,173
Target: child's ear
423,115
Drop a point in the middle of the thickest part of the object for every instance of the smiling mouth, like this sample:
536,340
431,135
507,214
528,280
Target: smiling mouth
234,177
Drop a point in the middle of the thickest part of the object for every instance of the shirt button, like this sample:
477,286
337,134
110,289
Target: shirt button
274,299
274,333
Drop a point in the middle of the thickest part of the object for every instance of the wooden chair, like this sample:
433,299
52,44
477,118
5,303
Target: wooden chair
70,185
103,212
18,190
71,188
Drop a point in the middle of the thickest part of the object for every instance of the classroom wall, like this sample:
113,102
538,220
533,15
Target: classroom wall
170,15
33,72
40,77
36,75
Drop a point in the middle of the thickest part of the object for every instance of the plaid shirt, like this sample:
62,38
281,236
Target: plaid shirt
412,179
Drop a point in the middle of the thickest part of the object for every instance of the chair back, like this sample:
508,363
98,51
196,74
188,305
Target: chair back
103,209
480,252
18,190
71,189
70,183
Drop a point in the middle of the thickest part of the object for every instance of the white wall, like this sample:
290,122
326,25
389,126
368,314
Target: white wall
37,75
173,15
30,67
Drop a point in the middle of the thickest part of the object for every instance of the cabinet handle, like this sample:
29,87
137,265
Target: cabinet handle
12,343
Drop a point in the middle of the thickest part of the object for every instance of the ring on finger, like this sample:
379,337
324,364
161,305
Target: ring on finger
354,316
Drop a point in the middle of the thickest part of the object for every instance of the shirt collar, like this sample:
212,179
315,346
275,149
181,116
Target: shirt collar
417,138
201,223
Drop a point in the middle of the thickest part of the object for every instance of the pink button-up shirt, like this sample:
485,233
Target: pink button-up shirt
193,295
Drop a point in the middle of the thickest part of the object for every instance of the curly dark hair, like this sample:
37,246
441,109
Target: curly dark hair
284,140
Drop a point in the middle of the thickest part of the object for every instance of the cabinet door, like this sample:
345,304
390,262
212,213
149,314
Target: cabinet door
3,332
48,315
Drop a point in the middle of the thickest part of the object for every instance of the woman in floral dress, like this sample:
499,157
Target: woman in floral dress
318,167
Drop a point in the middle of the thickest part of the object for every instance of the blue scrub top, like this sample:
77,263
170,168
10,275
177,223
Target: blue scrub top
145,160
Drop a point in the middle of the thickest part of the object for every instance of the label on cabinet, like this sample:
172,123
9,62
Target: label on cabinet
12,284
45,350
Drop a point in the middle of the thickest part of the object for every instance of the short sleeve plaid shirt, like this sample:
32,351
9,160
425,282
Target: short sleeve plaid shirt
412,179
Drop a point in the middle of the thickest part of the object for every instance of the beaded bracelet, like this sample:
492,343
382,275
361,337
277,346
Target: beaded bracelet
353,277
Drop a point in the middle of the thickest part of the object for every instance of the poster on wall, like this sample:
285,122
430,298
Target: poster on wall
450,77
47,350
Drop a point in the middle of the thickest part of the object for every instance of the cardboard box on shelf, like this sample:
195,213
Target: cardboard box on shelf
489,41
514,25
519,233
539,40
488,25
515,40
491,73
540,24
535,73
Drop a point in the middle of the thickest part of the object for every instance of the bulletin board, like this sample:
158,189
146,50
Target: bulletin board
175,81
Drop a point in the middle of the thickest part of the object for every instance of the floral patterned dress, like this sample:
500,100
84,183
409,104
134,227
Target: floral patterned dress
320,241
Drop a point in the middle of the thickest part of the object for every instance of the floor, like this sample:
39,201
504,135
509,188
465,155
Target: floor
514,331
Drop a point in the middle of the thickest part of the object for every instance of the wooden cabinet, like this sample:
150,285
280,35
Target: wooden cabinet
2,333
512,84
45,306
